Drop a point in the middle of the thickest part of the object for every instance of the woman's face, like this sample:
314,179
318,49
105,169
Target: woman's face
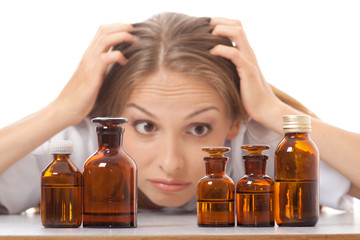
171,117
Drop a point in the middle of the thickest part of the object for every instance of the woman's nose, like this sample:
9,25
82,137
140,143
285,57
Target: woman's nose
172,158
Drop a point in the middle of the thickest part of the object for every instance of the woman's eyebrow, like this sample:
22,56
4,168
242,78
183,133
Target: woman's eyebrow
141,109
201,111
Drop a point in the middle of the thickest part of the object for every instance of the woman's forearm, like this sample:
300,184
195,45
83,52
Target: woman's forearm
74,102
20,138
339,149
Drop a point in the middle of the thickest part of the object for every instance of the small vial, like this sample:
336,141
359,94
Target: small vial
216,192
61,189
254,191
110,180
296,195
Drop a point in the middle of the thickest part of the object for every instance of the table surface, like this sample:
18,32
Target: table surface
160,225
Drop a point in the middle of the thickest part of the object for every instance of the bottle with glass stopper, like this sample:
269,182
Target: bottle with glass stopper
254,191
216,192
110,180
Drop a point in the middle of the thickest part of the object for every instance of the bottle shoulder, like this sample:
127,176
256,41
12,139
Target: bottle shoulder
61,173
296,160
217,178
296,145
211,181
216,189
63,167
110,157
246,183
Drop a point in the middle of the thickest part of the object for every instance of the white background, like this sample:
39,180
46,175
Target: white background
308,48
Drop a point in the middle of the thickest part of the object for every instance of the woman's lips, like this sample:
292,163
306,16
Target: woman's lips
169,185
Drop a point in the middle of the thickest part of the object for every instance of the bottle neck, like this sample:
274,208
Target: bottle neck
110,137
215,166
297,134
255,166
61,157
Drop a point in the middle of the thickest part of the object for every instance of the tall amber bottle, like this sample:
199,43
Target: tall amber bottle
254,191
296,189
110,180
216,192
61,189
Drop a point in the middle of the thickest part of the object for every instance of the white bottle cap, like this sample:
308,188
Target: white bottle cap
61,147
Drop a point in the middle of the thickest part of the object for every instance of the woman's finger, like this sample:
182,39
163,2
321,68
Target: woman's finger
113,28
225,21
237,35
105,31
113,57
243,65
107,41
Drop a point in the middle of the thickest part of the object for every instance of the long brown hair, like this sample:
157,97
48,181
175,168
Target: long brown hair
180,43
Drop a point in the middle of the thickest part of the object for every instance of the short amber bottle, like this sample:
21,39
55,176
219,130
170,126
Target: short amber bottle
110,180
296,195
254,191
216,192
61,189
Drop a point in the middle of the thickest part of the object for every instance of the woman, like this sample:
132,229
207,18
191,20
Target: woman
177,79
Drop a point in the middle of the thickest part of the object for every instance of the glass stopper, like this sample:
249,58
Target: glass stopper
254,150
109,120
216,151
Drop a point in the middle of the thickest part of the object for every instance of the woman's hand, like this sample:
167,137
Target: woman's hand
78,97
74,102
258,98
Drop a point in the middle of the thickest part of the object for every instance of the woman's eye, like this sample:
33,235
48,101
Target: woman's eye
143,127
199,130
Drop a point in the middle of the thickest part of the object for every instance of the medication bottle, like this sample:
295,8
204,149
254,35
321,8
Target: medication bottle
216,192
110,180
254,191
61,189
296,189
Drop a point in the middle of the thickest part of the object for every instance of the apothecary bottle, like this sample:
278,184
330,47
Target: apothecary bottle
110,180
216,192
61,189
296,189
254,191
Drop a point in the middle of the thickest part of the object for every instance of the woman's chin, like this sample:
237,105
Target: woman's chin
164,196
168,201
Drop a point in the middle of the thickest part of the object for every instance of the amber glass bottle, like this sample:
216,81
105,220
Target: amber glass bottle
216,192
110,180
61,189
296,189
254,191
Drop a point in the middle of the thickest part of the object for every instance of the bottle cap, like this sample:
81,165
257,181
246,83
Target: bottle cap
296,123
61,147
